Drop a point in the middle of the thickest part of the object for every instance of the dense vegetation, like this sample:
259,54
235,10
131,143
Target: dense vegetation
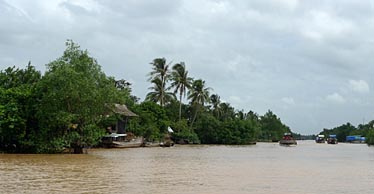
70,107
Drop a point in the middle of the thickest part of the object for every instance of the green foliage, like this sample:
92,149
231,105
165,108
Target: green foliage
172,110
215,99
199,95
159,76
272,128
159,93
13,77
17,107
230,131
227,112
12,118
370,137
209,130
183,133
68,108
348,129
180,82
152,121
75,93
123,94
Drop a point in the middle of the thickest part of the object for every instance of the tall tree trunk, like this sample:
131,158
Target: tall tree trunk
195,115
180,106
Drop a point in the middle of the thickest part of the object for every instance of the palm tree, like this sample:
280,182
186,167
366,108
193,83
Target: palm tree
159,76
228,112
215,100
181,82
158,93
198,95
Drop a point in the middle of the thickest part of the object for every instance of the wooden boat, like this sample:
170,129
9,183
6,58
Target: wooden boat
287,140
115,140
320,139
167,143
151,144
332,139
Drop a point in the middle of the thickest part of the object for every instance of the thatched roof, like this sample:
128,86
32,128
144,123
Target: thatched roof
123,110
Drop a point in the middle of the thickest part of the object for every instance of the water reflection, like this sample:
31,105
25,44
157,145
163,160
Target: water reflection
261,168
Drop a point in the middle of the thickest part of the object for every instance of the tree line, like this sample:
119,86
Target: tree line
342,131
69,106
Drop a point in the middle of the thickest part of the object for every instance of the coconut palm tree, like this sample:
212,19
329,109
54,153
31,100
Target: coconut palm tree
158,93
159,76
180,82
228,112
215,100
199,95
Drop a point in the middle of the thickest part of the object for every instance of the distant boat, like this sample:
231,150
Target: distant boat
115,140
320,139
355,139
332,139
287,140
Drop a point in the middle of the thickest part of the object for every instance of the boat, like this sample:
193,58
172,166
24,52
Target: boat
115,140
355,139
287,140
167,143
332,139
151,144
320,139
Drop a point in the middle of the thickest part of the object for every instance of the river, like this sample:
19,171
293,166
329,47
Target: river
307,168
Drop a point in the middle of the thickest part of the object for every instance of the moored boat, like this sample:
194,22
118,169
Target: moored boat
115,140
167,143
151,144
287,140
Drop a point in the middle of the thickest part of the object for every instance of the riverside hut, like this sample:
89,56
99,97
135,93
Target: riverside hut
124,115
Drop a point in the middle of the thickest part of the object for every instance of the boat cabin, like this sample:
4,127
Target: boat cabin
108,139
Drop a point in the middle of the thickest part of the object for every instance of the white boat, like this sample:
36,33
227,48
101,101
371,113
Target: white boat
115,140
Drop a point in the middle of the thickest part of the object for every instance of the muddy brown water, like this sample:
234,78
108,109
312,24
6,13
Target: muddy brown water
307,168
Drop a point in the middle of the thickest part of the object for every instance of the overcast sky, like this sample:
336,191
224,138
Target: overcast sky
311,62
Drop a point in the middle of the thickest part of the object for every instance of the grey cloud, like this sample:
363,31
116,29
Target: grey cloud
255,53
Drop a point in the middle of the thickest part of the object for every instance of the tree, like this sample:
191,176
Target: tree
158,93
227,111
216,101
342,131
75,94
124,90
272,127
370,137
181,82
17,107
159,76
199,95
152,121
